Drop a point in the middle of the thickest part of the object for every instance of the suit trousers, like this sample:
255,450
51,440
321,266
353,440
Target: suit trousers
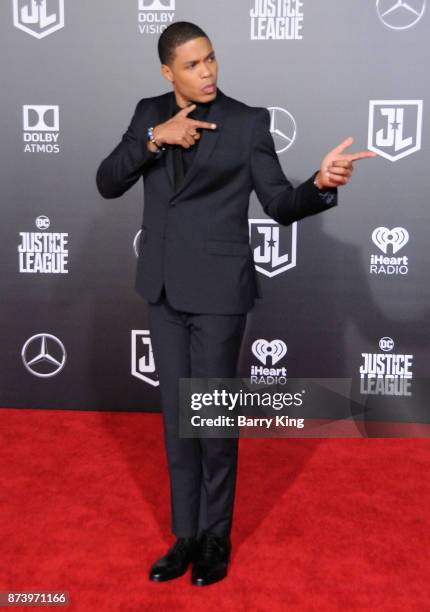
202,471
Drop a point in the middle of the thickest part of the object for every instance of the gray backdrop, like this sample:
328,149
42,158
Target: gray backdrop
342,290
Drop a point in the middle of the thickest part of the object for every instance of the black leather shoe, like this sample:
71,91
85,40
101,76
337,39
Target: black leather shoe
175,561
211,561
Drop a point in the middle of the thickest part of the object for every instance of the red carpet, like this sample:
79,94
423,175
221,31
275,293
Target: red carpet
319,524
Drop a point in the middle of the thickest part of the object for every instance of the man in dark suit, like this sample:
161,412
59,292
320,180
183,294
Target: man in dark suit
201,154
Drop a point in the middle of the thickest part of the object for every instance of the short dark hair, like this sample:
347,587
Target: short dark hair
174,35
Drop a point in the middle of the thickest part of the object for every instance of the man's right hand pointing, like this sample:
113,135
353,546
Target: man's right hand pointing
180,130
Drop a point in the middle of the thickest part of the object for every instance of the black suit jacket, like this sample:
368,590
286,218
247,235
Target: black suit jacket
195,239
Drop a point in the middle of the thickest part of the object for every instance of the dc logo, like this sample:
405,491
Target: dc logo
273,253
156,5
42,222
142,358
282,127
398,14
397,237
41,118
38,17
395,127
262,349
386,344
43,355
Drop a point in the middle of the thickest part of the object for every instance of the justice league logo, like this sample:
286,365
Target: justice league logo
142,358
43,252
38,17
395,127
386,373
276,20
273,252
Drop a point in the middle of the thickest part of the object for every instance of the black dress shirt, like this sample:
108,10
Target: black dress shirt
183,158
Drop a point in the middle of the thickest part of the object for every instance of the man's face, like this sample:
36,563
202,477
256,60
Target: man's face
193,71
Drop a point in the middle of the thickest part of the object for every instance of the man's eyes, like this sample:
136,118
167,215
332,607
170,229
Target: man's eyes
210,59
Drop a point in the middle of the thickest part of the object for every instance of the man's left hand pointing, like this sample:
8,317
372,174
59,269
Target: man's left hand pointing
336,167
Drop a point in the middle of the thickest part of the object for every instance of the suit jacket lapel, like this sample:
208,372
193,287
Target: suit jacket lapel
208,140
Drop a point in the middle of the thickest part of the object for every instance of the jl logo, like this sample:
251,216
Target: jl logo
38,17
142,358
273,253
395,127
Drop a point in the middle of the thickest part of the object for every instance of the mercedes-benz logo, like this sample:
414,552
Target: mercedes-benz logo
282,127
136,243
44,355
400,14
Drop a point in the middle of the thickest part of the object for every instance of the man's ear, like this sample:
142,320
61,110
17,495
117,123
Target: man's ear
167,72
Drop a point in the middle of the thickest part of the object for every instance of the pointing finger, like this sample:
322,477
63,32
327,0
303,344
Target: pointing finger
203,124
360,155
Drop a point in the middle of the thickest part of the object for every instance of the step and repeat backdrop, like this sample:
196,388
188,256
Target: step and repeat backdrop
346,294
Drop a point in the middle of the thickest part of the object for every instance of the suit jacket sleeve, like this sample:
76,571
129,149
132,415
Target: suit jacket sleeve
280,200
122,168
